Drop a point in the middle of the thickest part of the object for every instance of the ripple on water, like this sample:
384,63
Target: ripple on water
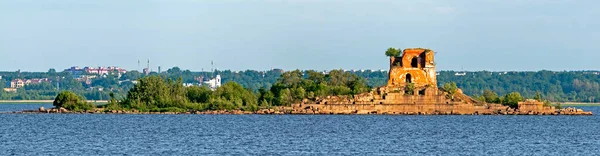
114,134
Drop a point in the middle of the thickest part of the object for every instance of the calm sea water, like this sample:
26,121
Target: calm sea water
96,134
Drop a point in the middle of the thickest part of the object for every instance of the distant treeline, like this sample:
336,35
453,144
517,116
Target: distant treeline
556,86
565,86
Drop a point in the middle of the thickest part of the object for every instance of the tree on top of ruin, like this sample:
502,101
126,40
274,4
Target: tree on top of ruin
392,52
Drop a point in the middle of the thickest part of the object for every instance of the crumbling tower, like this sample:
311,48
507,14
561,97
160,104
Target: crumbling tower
416,65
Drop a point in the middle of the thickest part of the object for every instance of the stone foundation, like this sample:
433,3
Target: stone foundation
343,109
420,109
431,101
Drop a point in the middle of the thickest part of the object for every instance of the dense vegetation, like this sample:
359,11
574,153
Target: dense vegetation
160,93
575,86
296,85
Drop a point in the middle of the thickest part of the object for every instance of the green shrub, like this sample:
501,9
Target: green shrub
410,89
512,99
72,101
450,88
392,52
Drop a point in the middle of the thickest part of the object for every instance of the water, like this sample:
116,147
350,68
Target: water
98,134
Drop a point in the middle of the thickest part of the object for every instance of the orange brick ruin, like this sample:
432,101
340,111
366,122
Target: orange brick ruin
416,66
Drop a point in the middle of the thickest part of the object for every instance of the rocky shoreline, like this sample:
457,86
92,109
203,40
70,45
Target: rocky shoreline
305,111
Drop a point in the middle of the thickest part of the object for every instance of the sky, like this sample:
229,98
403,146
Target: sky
471,35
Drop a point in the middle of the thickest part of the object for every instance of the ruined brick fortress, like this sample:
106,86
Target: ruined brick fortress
415,66
412,89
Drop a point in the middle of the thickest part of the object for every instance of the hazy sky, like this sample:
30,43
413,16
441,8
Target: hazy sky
495,35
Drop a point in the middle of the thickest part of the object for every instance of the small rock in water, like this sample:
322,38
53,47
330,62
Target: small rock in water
42,109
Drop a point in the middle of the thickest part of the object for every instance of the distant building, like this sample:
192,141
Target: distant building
75,70
502,73
214,83
190,84
95,88
10,89
146,71
460,74
85,78
278,70
105,70
18,83
36,81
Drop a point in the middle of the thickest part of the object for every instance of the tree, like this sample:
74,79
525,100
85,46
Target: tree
71,101
155,92
237,95
392,52
51,71
174,70
131,75
293,86
285,97
316,77
66,98
298,93
291,79
359,86
490,96
512,99
266,96
198,94
450,88
538,96
2,83
113,104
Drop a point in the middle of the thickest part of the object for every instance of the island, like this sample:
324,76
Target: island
411,89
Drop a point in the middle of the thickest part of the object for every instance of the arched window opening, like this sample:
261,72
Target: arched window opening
414,62
422,59
408,78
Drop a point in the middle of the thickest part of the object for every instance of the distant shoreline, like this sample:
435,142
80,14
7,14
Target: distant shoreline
579,103
43,101
574,104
